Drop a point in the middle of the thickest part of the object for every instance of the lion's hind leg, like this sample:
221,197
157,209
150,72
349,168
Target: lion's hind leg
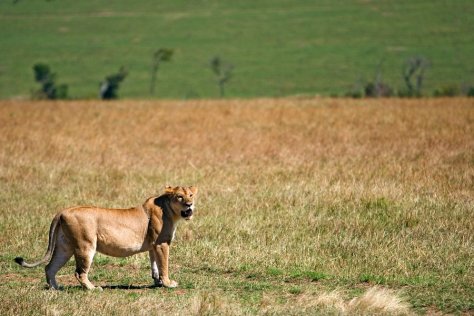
83,264
61,254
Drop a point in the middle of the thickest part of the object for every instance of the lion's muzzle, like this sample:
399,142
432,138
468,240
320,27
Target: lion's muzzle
186,214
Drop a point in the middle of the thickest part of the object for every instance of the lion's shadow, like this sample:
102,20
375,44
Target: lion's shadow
129,287
110,287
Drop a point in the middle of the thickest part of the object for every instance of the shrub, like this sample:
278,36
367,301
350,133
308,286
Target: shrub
355,94
372,89
447,91
378,89
46,78
109,87
356,91
467,90
470,92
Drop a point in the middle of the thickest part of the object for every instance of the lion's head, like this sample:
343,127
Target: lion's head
182,200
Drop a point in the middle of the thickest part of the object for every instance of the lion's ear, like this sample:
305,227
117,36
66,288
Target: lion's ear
194,190
169,189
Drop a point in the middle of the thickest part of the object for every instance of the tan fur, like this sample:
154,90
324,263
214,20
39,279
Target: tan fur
83,230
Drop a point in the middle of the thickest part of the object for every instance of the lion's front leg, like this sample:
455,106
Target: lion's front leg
154,269
162,252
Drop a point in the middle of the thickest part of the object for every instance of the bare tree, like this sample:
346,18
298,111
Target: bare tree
223,72
161,55
414,69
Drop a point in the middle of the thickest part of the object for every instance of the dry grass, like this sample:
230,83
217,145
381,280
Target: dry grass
374,301
298,198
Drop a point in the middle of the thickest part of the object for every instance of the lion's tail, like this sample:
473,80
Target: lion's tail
53,231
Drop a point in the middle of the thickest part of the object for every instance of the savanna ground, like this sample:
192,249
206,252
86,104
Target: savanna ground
306,206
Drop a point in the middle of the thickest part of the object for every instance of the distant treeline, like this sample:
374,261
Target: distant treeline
412,75
108,88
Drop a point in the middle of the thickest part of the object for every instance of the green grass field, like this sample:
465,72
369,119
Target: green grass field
305,206
278,47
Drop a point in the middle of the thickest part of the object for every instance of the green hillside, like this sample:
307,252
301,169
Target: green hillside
277,47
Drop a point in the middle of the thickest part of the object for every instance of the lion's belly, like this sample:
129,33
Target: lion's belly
120,244
120,251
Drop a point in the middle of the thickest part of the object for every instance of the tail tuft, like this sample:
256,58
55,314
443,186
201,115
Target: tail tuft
19,260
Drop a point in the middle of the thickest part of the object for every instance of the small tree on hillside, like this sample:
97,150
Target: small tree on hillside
161,55
413,76
109,87
46,78
223,72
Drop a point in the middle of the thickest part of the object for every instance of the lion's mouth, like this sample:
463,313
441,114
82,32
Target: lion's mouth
186,214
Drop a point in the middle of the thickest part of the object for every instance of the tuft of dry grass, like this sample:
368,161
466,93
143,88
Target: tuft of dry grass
208,303
374,301
300,200
378,301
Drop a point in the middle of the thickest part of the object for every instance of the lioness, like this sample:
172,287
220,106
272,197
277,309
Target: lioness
83,230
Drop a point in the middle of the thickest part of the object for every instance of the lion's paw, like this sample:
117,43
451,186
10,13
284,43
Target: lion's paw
170,284
157,283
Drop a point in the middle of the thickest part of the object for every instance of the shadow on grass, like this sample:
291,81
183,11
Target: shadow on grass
107,287
129,287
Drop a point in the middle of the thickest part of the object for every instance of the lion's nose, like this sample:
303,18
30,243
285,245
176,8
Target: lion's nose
189,204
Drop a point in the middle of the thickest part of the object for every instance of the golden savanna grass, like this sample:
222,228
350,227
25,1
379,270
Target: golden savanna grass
306,206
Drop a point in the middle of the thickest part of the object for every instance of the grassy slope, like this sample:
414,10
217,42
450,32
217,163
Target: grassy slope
278,47
298,198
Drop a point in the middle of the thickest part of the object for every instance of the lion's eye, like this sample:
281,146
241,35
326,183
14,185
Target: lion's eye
180,198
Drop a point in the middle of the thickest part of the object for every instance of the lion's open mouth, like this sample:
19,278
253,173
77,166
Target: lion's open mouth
186,214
